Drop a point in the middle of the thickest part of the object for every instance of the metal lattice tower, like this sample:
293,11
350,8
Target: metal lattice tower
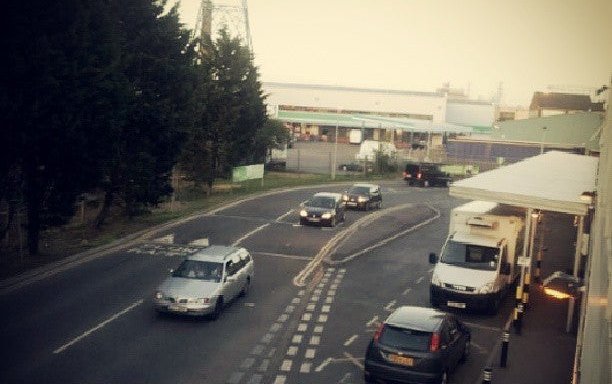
232,14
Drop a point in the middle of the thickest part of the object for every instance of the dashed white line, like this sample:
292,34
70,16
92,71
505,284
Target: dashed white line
350,340
324,364
310,353
97,327
305,368
292,350
391,304
280,379
315,340
407,291
372,322
286,365
296,339
420,279
249,234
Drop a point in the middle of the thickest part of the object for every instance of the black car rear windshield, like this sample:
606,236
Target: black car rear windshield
321,202
359,190
406,339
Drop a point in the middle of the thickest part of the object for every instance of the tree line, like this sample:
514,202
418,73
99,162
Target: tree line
112,96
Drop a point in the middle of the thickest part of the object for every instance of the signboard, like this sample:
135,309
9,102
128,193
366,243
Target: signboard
523,261
247,172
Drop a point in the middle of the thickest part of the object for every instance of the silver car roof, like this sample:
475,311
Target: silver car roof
217,253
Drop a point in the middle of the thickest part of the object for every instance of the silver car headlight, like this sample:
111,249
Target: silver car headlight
345,197
486,288
303,213
327,215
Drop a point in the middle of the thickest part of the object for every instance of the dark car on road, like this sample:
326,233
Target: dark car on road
363,196
416,345
426,175
323,208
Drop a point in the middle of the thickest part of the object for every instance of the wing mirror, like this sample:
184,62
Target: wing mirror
433,258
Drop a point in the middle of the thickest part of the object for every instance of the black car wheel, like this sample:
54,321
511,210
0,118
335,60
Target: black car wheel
466,352
368,378
444,378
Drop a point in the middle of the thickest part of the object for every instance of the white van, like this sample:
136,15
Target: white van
478,262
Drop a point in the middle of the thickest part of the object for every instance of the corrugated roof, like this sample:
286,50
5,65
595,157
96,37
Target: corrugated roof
570,130
560,101
553,181
370,121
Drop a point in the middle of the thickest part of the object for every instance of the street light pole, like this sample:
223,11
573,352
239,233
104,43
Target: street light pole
542,141
335,158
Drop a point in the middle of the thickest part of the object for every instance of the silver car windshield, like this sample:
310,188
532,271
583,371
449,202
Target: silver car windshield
200,270
470,255
359,190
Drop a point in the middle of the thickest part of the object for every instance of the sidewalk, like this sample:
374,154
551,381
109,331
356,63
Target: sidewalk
544,352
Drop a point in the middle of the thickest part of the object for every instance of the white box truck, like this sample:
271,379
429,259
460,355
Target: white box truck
478,262
355,136
369,148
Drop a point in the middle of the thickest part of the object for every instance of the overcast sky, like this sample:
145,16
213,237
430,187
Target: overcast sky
418,45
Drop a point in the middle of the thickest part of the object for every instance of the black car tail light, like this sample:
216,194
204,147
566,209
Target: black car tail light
434,343
379,332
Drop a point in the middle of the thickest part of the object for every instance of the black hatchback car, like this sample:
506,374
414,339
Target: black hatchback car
363,196
426,175
416,345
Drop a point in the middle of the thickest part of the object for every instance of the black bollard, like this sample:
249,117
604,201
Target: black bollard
518,319
487,375
504,351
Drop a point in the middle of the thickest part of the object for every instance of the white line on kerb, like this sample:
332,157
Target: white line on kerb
97,327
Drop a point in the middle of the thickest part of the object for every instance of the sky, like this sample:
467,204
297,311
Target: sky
410,45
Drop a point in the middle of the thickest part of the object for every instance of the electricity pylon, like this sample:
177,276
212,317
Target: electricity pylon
215,15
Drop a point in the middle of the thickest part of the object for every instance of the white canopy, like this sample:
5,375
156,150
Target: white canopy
553,181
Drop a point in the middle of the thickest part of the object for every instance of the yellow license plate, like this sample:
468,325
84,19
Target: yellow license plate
402,360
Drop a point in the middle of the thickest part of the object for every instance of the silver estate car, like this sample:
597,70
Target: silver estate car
205,281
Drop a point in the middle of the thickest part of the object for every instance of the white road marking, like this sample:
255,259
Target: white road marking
200,242
249,234
315,340
350,340
302,327
306,317
280,379
324,364
286,366
390,305
325,308
420,279
318,329
168,239
292,351
407,291
97,327
305,368
280,218
310,353
297,339
372,322
353,360
322,318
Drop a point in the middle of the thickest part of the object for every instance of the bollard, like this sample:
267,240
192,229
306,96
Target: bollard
504,352
518,319
487,375
526,290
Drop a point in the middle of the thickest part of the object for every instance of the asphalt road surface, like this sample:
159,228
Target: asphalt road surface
317,296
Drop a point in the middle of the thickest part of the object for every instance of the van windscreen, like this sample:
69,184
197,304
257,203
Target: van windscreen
470,255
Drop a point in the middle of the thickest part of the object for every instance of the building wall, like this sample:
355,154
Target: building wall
471,114
595,336
357,99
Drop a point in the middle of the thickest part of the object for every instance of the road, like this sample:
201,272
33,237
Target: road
317,296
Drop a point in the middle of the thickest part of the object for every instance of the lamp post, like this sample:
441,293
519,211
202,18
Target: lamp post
335,157
542,141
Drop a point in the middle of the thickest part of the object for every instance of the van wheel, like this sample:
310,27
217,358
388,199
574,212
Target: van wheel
218,308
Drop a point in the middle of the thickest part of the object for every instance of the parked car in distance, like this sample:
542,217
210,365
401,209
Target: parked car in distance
426,175
416,345
206,281
363,196
323,208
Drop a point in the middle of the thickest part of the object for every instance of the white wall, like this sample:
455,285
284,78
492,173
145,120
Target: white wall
470,114
356,99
